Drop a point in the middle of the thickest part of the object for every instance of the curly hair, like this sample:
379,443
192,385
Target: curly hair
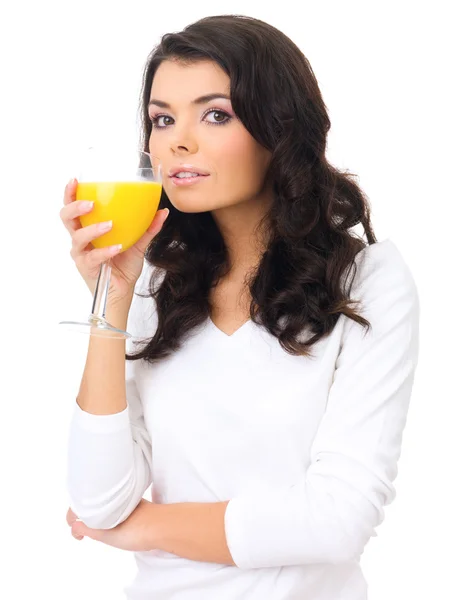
297,286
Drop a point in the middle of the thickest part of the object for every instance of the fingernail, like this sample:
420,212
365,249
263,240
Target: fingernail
72,181
167,210
114,249
105,226
86,205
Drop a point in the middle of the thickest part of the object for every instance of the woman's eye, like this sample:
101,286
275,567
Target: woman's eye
213,117
160,121
219,117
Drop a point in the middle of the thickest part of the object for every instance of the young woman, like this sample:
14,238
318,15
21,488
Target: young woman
267,393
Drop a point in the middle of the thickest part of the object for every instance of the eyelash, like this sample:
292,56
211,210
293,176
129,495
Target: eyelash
155,119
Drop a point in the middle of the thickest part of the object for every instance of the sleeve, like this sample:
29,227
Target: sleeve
110,456
330,515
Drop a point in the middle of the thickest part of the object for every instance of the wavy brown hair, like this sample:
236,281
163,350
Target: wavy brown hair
298,285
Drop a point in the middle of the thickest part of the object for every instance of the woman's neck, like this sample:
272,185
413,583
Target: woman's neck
244,242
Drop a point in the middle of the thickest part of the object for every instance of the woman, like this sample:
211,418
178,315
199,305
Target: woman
264,409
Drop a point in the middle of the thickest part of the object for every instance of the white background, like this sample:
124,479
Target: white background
71,75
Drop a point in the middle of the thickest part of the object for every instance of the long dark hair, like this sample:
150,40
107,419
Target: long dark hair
298,283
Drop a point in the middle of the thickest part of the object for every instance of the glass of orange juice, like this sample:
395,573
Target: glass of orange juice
126,189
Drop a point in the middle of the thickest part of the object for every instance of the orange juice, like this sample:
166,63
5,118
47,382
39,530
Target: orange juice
131,206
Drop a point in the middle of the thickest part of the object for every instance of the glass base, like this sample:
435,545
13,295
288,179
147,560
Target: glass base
95,326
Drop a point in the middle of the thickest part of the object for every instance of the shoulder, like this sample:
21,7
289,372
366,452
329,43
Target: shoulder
381,267
384,287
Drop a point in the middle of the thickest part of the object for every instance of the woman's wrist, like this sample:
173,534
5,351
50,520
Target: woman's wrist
117,310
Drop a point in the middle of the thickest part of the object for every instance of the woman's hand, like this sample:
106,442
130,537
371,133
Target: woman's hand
126,267
134,534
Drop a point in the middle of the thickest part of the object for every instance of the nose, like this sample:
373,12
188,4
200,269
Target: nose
183,143
184,147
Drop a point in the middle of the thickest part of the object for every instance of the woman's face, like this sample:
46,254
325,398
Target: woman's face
203,133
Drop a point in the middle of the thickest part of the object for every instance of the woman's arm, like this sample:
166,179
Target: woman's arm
109,450
102,390
330,515
192,530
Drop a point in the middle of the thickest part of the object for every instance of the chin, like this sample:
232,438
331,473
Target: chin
190,205
190,201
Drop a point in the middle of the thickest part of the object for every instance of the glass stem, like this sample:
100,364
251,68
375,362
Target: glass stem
101,293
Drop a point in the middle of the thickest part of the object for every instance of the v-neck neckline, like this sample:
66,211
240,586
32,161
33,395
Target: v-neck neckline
235,333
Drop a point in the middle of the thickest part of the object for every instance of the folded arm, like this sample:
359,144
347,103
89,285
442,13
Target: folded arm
330,515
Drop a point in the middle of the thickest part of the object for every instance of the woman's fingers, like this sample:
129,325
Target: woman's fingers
83,236
70,192
152,230
87,258
70,214
71,518
73,208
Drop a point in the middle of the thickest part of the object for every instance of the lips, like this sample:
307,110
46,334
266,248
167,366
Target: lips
186,169
187,175
187,181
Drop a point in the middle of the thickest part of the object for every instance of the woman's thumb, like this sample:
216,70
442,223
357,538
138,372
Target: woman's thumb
153,229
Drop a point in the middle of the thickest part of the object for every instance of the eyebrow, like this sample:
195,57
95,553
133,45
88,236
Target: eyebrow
200,100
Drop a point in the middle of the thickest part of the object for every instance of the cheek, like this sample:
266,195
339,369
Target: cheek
239,152
152,145
156,149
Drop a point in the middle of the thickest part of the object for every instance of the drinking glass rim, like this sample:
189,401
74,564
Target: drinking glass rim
96,157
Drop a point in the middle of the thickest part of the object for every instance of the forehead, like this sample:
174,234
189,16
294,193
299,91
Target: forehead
176,82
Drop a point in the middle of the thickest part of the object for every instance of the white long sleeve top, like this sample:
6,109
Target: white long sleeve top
305,449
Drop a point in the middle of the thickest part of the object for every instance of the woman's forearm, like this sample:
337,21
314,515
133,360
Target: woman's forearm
102,389
192,530
107,470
